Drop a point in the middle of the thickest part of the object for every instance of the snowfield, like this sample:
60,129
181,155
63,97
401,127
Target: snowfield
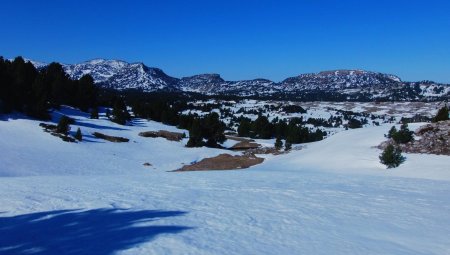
330,197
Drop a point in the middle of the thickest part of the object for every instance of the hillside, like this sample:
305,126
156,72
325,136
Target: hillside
54,192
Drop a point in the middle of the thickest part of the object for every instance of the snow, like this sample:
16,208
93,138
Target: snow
330,197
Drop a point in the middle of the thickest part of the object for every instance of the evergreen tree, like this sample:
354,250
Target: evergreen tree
244,129
78,135
287,146
120,113
63,126
442,114
392,132
278,143
86,93
404,135
391,156
195,135
94,113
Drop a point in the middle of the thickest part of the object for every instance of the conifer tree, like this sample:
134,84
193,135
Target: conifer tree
278,143
78,135
442,114
195,135
287,146
94,113
391,156
63,126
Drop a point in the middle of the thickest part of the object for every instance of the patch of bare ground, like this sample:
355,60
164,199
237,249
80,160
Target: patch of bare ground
223,162
171,136
433,138
114,139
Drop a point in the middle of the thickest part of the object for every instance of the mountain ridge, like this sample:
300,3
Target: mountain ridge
340,84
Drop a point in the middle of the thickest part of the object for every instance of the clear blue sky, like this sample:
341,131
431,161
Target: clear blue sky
238,39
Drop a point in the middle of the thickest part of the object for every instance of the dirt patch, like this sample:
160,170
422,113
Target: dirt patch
223,162
114,139
245,145
171,136
239,139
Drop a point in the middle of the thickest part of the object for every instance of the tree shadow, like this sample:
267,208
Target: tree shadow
97,231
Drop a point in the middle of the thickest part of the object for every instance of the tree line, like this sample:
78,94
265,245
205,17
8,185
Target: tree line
31,91
293,131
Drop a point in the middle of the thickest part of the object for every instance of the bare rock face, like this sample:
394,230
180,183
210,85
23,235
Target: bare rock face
432,138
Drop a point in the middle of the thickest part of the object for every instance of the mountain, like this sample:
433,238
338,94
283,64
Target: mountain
337,85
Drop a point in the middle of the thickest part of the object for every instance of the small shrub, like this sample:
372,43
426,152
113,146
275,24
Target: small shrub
278,144
391,156
441,115
78,135
63,126
404,135
287,146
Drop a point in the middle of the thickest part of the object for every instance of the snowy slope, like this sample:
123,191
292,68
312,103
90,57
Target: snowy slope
332,197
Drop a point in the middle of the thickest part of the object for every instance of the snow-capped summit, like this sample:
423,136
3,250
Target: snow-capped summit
336,84
100,69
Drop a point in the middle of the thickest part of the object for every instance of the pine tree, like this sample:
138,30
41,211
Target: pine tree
278,143
287,146
195,135
441,115
391,156
404,135
392,132
78,135
94,113
63,126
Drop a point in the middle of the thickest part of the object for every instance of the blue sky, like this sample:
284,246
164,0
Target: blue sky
238,39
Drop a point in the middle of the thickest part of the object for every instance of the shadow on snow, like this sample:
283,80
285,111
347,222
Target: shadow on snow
97,231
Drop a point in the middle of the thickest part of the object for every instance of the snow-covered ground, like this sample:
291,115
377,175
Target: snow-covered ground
330,197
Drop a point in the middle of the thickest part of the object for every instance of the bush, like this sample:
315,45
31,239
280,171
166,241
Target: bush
287,146
404,135
441,115
63,125
94,113
278,144
391,156
78,135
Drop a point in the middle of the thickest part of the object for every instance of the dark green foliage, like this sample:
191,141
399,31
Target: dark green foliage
404,135
63,126
23,88
293,109
278,143
94,113
354,123
287,146
263,127
442,114
120,113
294,131
195,135
392,132
78,135
209,128
391,156
245,127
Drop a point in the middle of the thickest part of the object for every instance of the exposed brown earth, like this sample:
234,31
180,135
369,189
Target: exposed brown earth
432,138
223,162
114,139
171,136
245,145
